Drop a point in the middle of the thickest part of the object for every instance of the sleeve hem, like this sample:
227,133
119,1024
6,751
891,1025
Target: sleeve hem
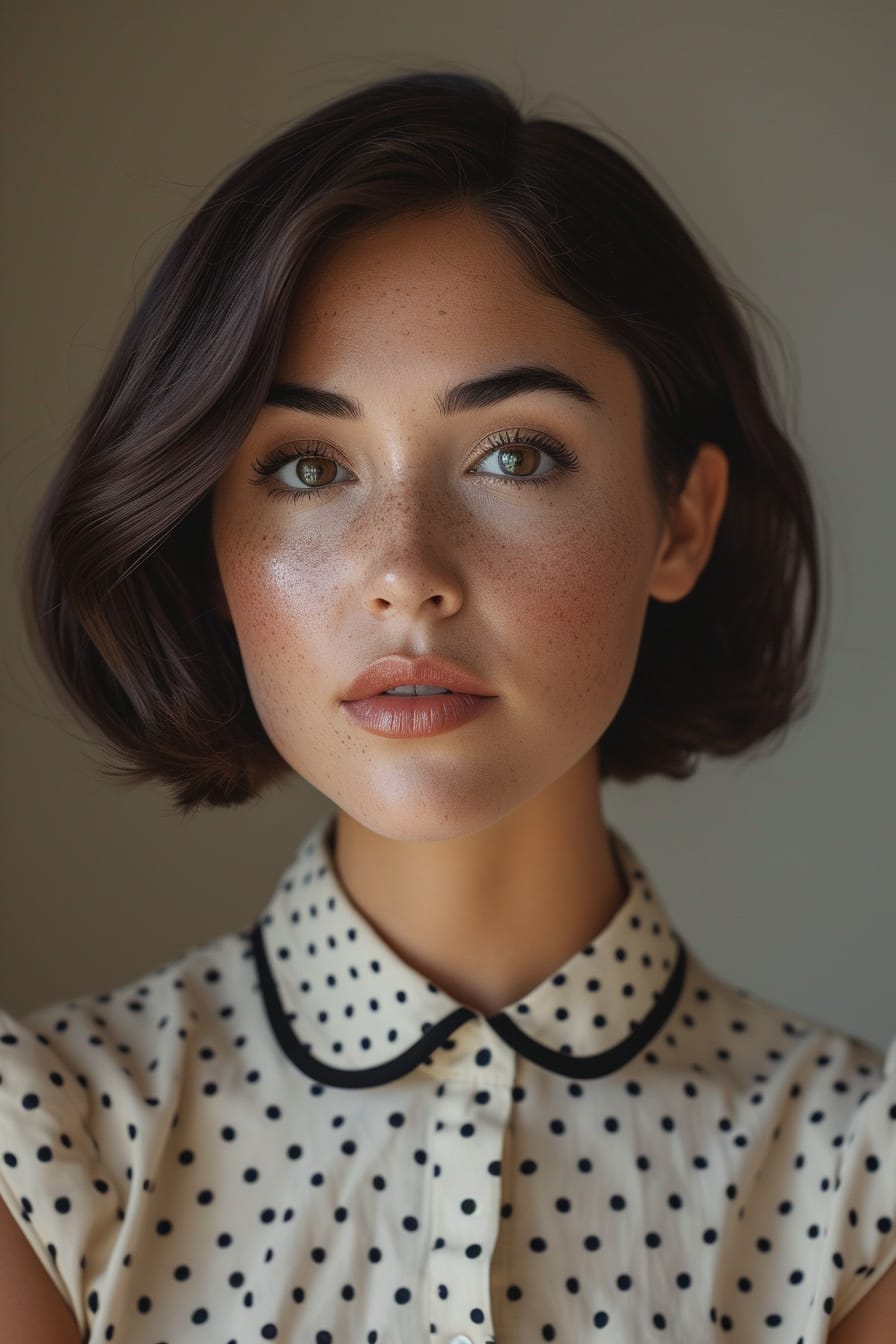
39,1247
863,1285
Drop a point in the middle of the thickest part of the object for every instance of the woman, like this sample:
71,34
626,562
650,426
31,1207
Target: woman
436,466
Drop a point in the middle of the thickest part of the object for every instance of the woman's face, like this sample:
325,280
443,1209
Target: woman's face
426,542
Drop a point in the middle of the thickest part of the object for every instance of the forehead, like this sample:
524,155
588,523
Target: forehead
444,287
418,255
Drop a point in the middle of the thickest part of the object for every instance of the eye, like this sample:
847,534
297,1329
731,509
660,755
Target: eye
304,473
518,451
313,471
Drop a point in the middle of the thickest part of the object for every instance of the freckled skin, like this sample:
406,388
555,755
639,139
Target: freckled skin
447,842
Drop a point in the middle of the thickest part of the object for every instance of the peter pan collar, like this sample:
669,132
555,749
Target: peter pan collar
349,1012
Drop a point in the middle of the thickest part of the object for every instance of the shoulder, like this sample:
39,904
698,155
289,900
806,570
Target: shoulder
134,1038
816,1107
864,1214
90,1087
762,1046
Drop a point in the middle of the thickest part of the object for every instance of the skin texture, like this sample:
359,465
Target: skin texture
449,843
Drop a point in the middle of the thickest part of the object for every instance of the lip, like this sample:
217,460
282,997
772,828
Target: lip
429,670
416,715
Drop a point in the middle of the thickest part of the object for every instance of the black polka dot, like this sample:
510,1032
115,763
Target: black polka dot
296,1106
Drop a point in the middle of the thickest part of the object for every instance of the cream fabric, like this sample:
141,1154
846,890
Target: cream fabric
291,1134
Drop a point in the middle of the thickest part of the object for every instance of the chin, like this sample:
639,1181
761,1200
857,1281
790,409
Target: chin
418,822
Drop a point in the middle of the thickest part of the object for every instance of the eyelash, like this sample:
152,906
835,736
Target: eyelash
266,467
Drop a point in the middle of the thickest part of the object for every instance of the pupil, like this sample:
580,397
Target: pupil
310,474
511,458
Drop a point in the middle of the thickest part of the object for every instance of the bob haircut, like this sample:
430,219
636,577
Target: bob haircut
120,564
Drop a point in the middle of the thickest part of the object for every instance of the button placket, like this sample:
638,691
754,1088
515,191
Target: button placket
466,1145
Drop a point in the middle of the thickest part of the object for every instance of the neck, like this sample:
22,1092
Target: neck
488,916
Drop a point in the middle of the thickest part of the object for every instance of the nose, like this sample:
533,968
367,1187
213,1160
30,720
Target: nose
404,598
411,586
414,568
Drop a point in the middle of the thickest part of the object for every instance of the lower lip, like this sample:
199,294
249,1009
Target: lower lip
416,715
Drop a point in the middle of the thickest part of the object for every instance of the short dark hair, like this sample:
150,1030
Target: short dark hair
119,564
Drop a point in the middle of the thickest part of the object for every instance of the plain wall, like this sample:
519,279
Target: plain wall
769,127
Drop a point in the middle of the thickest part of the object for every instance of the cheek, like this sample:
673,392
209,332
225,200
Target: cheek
277,607
585,599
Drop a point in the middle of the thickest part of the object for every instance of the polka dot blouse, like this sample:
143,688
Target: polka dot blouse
291,1134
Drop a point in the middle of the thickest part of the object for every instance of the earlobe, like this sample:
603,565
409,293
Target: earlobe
692,526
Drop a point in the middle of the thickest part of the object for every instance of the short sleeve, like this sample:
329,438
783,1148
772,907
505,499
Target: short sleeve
862,1231
51,1175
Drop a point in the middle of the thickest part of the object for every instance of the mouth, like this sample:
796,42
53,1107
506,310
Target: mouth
427,676
415,692
412,714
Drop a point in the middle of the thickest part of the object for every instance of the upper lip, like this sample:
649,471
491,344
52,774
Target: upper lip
429,670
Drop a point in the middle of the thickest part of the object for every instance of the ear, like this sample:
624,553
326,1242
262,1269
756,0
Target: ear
691,526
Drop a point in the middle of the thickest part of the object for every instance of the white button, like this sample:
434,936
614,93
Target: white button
460,1339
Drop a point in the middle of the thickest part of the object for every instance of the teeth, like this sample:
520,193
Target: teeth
418,690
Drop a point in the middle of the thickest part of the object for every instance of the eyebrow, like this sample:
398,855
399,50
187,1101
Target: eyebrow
471,395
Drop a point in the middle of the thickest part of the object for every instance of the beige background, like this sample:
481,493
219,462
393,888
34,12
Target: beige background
770,127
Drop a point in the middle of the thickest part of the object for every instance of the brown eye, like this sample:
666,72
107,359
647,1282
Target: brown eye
310,471
301,474
519,461
521,455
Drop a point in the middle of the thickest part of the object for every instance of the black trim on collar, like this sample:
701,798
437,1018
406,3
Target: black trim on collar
606,1061
571,1066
